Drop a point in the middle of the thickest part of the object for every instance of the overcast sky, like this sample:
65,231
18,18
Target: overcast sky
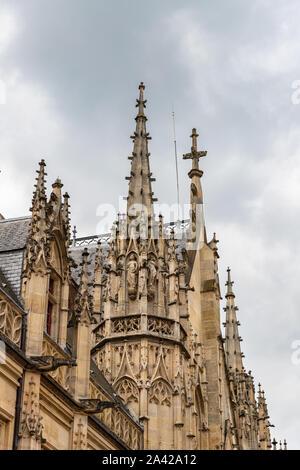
69,75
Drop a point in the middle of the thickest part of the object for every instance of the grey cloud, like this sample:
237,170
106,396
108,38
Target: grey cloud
227,67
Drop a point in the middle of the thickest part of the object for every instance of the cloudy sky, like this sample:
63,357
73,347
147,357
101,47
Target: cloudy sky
69,72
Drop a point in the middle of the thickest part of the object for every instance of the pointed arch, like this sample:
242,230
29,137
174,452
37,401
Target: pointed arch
125,369
127,389
160,392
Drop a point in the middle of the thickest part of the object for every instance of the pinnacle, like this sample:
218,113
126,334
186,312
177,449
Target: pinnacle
229,284
141,103
214,243
57,183
140,195
40,190
233,338
85,255
42,164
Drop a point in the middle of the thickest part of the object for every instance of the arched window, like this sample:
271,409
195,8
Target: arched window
128,391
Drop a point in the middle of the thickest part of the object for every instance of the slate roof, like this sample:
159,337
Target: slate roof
14,233
7,289
13,236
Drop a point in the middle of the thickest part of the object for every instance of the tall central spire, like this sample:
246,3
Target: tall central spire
140,196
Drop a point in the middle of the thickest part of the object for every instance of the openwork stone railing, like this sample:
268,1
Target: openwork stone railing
162,326
131,324
127,324
100,332
179,228
10,321
118,421
62,374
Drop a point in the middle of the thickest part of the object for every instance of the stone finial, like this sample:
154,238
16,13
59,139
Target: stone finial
141,103
74,232
65,209
99,259
259,392
66,219
214,243
229,283
57,183
160,226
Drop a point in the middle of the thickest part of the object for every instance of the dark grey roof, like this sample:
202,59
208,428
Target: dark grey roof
8,290
11,264
14,233
13,236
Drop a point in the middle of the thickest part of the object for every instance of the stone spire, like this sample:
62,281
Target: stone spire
140,179
197,226
40,189
38,243
263,421
232,342
82,329
66,220
229,284
98,282
39,201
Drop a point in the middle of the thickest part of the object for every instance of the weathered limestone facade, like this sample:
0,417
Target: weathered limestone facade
126,350
52,395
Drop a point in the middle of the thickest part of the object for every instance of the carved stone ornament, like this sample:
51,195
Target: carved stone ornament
95,405
50,363
132,269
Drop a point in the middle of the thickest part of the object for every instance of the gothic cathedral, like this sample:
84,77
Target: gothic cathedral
115,342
